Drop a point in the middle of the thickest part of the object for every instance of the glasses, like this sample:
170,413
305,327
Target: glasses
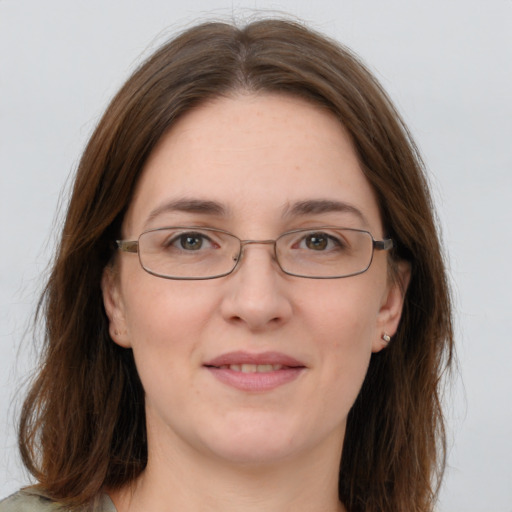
206,253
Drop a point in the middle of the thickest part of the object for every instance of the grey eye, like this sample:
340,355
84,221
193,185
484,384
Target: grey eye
191,242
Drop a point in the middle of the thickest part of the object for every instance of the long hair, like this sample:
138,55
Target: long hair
82,426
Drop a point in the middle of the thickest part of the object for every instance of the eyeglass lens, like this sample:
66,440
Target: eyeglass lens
202,253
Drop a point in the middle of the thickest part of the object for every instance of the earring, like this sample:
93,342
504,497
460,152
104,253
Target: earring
386,337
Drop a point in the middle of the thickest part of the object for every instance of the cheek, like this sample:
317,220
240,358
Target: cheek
345,325
346,361
164,320
344,312
159,309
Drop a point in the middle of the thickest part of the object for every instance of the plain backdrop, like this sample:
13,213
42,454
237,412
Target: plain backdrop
447,65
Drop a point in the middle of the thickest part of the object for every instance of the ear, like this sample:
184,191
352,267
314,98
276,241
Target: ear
114,307
392,303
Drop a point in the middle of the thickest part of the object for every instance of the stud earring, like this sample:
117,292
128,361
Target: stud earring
386,337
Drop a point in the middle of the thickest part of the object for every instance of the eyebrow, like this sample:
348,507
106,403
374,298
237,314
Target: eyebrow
319,206
297,209
189,206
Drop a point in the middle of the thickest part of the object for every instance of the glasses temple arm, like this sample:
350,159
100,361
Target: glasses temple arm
128,245
383,245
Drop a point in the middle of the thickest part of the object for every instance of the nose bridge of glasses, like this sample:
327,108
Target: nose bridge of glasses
243,243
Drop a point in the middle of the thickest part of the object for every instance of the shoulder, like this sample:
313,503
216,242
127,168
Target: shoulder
28,500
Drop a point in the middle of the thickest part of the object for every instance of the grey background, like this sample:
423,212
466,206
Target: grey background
446,64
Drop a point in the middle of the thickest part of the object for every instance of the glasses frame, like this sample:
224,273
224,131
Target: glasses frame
132,246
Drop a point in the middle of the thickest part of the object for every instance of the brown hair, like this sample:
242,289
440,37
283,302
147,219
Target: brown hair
83,423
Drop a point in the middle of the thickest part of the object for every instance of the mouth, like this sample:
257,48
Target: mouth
252,368
255,372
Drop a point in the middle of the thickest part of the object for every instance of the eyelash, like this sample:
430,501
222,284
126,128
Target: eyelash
183,236
331,242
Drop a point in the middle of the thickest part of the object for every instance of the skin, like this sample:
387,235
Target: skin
211,446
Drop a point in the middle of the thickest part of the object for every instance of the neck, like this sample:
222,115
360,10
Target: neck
176,481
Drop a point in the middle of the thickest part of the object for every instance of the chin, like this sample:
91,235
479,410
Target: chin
255,453
262,441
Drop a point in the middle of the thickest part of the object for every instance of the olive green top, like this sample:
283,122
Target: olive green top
28,500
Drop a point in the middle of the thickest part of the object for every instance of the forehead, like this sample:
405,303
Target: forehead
256,156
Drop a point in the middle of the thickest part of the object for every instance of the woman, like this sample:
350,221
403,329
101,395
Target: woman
248,309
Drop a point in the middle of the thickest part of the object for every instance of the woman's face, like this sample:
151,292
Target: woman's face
206,351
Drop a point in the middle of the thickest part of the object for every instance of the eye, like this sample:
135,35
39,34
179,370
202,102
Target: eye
321,242
316,242
190,241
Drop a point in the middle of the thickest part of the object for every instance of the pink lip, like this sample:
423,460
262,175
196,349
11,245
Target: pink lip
265,381
241,357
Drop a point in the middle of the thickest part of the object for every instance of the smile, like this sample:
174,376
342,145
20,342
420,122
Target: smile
255,372
252,368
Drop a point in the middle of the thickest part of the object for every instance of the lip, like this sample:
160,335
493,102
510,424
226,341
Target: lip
241,357
290,370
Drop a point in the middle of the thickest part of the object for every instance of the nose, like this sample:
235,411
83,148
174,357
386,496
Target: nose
256,292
